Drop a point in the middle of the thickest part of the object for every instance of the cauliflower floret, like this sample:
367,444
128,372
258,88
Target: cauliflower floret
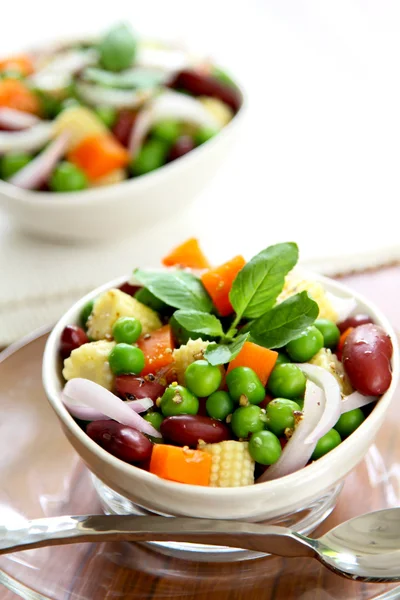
316,291
329,361
186,355
90,361
112,305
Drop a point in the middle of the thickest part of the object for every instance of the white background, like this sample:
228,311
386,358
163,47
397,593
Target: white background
319,158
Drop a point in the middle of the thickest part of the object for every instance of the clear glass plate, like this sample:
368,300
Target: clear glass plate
41,475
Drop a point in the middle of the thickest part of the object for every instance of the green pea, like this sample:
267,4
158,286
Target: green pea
219,405
152,156
202,379
86,312
349,421
282,359
167,131
243,381
265,448
107,115
223,77
203,134
67,178
126,359
118,48
329,331
12,163
50,105
155,419
146,297
126,330
177,400
287,381
328,442
280,415
246,420
306,345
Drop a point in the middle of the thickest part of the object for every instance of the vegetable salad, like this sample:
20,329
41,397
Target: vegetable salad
95,113
223,376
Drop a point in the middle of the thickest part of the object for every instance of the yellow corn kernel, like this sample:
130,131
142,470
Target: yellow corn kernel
90,361
112,305
330,362
79,122
186,355
221,112
115,176
316,291
232,465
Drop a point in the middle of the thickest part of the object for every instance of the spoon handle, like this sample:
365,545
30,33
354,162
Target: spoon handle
100,528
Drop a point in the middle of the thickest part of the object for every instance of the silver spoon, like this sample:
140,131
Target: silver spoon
365,548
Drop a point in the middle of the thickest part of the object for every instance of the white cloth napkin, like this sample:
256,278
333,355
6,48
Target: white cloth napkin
317,162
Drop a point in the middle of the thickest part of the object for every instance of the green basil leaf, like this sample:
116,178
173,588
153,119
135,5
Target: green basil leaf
178,289
199,322
261,280
285,321
219,354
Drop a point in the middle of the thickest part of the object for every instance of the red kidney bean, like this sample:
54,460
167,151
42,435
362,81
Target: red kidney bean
130,387
120,441
366,359
71,338
354,321
182,146
188,430
123,126
129,289
199,84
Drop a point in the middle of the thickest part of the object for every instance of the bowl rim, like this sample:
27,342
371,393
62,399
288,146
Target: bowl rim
102,193
302,477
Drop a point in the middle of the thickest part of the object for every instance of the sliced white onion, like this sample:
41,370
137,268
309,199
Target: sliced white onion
169,105
98,95
167,59
56,74
27,140
333,399
16,119
356,400
342,306
41,167
88,393
298,451
86,413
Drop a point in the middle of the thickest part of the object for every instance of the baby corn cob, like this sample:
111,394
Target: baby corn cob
217,109
329,361
90,361
114,304
79,122
316,291
232,465
186,355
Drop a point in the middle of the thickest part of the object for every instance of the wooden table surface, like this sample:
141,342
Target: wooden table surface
266,579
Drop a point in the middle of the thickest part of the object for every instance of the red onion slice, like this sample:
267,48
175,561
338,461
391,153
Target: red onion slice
356,400
40,168
27,140
333,399
342,306
98,95
83,392
168,59
169,105
297,451
86,413
10,118
56,74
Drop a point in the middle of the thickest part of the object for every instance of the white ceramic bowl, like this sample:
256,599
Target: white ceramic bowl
121,209
266,501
